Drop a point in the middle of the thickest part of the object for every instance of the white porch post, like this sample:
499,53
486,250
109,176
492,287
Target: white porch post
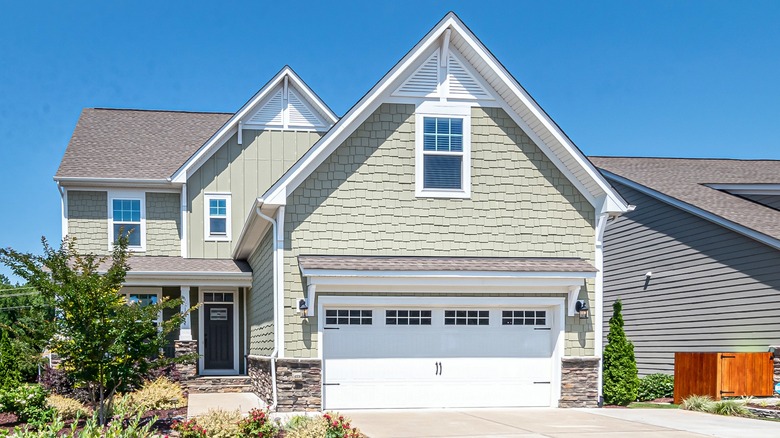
186,327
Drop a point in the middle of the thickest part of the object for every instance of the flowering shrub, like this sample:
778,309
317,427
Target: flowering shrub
28,402
220,423
189,429
258,424
339,427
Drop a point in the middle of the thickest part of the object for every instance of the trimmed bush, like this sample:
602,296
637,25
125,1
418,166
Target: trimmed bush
655,386
621,381
699,403
158,394
302,426
220,424
67,408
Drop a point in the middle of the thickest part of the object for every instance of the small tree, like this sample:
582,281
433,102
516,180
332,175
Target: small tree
106,343
621,381
10,377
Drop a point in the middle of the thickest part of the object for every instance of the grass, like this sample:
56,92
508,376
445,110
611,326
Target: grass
644,405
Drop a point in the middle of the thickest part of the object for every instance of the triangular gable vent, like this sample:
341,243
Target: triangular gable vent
424,81
462,83
271,114
300,114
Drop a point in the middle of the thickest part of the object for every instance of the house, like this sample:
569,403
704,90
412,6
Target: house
437,246
696,264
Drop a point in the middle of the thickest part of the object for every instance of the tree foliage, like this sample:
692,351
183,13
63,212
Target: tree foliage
621,381
106,343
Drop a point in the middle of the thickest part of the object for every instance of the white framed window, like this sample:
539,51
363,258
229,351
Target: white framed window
143,296
348,317
217,217
443,150
524,317
127,217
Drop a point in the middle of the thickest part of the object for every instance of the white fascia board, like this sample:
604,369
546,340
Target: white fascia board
323,273
747,189
382,90
253,230
115,182
733,226
230,127
175,278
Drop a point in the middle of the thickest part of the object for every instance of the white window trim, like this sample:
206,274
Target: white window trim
228,219
134,290
450,110
131,195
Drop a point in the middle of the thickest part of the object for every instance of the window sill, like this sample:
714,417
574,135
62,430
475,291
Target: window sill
432,193
217,239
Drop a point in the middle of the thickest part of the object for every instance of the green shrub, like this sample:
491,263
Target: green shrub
302,426
258,424
220,424
339,427
655,386
28,402
158,394
731,408
10,376
67,408
620,373
189,429
700,403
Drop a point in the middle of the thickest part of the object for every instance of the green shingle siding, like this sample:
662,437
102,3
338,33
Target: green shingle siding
261,299
361,201
88,220
163,224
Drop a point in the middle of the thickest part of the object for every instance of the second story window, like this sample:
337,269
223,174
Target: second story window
127,221
217,220
443,150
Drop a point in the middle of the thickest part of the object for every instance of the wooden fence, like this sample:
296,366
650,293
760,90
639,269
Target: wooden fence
723,375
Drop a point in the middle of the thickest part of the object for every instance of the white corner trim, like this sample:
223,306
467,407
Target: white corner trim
741,229
207,236
449,110
280,284
63,209
231,126
184,202
185,332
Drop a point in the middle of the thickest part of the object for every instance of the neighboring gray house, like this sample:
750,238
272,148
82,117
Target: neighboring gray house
430,248
697,264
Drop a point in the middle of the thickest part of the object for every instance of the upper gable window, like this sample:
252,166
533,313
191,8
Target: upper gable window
443,150
128,219
217,221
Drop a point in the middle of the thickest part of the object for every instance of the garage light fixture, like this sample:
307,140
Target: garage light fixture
303,308
582,308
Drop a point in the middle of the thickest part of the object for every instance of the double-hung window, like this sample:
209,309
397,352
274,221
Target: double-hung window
217,220
443,150
127,215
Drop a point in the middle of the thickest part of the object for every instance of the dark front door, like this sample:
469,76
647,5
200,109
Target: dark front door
218,336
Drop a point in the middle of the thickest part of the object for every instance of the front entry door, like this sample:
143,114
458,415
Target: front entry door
218,336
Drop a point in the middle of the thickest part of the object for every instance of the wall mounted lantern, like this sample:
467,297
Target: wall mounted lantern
303,308
583,309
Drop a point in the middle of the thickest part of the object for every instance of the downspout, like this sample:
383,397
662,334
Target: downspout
598,309
275,353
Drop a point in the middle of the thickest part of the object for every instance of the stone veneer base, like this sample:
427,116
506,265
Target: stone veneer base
579,382
187,371
298,382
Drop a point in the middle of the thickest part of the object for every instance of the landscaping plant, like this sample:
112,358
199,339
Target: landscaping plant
107,345
339,427
655,386
10,377
189,429
258,424
28,403
621,380
731,408
700,403
219,423
67,408
302,426
160,393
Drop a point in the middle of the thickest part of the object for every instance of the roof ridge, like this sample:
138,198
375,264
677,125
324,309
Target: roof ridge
159,110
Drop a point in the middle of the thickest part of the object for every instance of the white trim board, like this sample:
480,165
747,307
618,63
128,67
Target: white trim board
555,143
755,235
286,74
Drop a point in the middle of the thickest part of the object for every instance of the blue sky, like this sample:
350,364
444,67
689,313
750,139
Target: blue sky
661,78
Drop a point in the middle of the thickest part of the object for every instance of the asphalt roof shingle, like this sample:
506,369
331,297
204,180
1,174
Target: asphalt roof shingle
687,180
400,263
139,144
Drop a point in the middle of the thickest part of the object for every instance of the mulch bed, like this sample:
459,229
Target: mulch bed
165,418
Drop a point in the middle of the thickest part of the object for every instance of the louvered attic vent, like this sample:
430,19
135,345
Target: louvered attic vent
293,113
424,81
271,113
462,83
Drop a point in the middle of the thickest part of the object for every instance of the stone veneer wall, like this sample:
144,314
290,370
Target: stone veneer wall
294,393
579,382
776,361
189,370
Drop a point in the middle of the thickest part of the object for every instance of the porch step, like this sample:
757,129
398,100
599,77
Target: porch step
219,384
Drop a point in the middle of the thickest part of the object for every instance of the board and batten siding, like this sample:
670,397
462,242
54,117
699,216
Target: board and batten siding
261,298
88,222
711,289
245,171
361,201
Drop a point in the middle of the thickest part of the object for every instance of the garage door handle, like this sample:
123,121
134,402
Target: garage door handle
441,368
437,367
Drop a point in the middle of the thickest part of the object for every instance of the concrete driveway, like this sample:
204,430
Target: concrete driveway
563,423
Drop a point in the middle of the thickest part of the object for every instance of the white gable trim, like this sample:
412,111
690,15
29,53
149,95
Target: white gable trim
285,75
561,151
733,226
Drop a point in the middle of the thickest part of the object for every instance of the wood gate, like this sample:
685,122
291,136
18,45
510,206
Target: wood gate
723,375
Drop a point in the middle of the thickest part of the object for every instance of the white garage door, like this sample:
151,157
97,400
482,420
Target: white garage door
432,357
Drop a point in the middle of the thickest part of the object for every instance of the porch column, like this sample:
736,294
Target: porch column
186,327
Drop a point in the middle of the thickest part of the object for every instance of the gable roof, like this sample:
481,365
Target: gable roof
136,144
695,185
286,77
513,97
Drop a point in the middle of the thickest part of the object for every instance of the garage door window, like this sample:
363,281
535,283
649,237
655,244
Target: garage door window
524,317
466,317
407,317
348,317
